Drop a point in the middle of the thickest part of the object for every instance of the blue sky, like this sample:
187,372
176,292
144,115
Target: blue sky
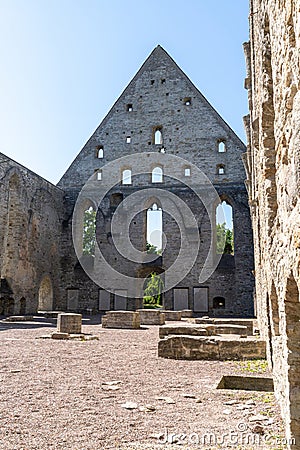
65,62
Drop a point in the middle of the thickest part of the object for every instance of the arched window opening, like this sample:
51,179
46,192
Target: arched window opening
153,288
126,176
292,316
89,232
221,147
100,153
158,136
45,295
154,229
224,229
221,169
219,303
157,175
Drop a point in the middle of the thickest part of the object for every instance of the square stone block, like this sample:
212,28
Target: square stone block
69,323
121,319
151,316
172,315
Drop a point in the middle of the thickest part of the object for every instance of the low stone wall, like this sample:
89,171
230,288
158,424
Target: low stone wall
196,330
214,348
69,323
151,316
172,315
18,319
121,319
186,313
248,323
202,330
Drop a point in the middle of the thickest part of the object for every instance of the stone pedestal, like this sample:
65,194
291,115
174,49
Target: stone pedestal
151,317
121,319
69,323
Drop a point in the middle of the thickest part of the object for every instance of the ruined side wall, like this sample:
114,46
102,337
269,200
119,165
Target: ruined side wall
273,166
31,211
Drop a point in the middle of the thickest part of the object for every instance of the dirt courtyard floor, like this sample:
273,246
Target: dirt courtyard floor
77,395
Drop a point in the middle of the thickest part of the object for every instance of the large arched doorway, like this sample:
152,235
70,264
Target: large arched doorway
153,290
45,294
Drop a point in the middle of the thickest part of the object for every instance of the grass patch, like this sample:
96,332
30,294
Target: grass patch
253,366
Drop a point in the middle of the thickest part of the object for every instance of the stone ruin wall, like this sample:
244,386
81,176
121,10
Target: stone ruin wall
31,211
273,166
156,96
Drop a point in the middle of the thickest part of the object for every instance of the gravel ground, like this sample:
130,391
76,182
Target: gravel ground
69,395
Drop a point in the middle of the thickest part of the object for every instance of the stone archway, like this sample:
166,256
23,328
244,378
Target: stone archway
45,294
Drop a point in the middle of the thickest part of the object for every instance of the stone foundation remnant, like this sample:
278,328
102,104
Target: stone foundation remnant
213,348
121,319
202,330
186,313
248,323
151,316
69,323
172,315
19,319
246,383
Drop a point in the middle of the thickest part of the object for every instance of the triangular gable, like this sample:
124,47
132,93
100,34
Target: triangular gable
158,60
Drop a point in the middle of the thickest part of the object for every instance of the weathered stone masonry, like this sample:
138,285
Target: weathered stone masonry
161,97
159,100
273,166
31,213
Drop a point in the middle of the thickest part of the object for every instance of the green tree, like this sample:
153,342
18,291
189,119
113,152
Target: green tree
152,249
224,240
152,291
89,232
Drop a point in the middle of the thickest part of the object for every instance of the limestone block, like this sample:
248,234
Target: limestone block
69,323
242,349
195,330
121,319
248,323
230,329
214,348
186,313
188,347
151,317
172,315
58,335
19,318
